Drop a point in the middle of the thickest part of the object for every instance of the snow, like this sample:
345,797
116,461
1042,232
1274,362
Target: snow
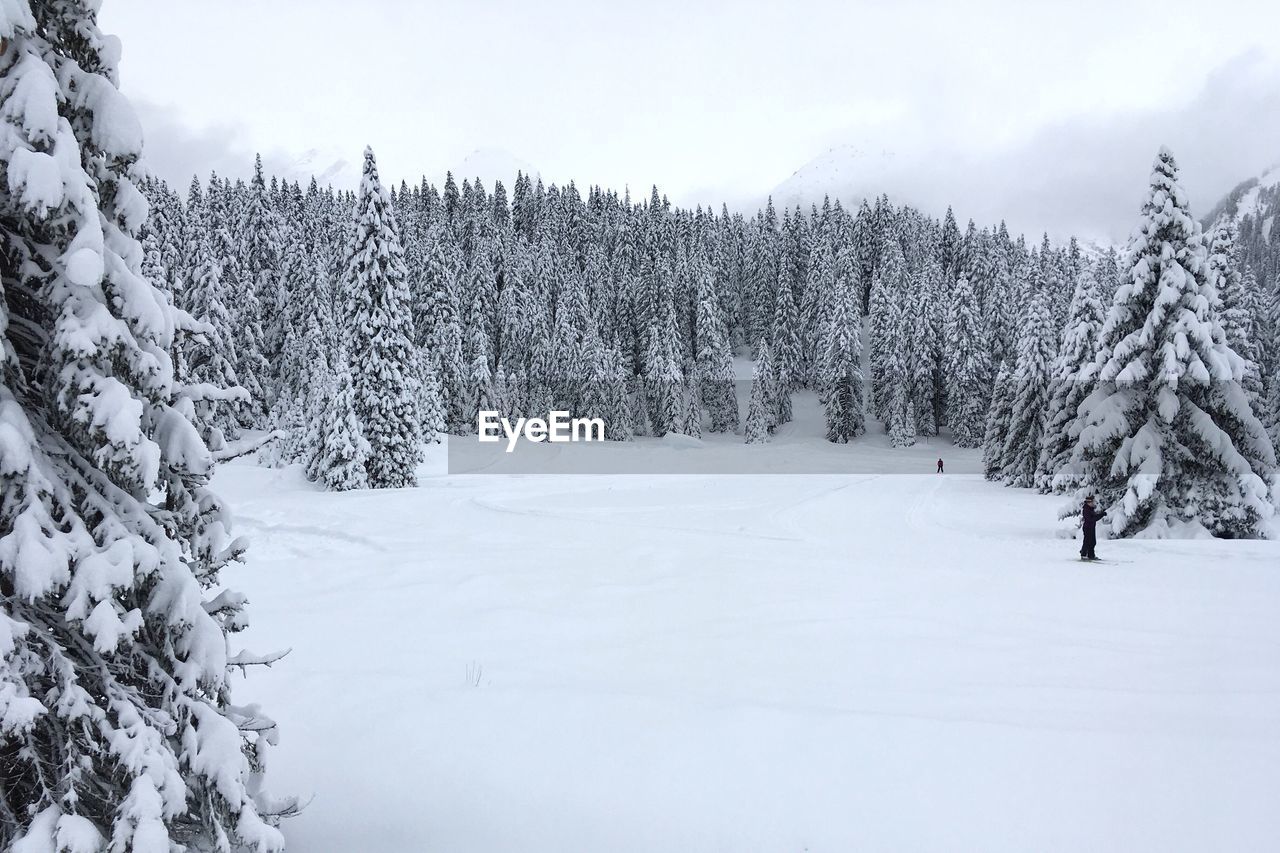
14,15
491,164
863,661
1248,203
846,172
330,166
333,167
84,267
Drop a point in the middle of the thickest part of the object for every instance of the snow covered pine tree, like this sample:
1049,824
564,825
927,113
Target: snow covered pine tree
1168,441
380,337
117,730
841,378
1071,382
764,394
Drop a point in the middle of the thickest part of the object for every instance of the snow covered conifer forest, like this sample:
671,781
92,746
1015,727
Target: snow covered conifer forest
159,338
634,311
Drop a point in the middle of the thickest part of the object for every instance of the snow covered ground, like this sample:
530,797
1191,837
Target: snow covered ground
753,663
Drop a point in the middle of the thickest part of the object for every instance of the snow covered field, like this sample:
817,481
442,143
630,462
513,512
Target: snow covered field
753,663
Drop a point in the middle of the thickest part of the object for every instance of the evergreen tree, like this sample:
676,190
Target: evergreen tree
431,402
763,411
888,290
245,332
605,394
1267,326
765,271
819,298
924,341
117,725
1031,389
841,378
968,369
480,388
998,416
261,254
454,380
1168,438
341,452
1109,277
435,302
1071,380
949,247
638,407
663,377
691,414
502,392
207,352
1235,307
784,345
714,359
302,278
896,383
314,348
451,201
902,417
380,337
865,253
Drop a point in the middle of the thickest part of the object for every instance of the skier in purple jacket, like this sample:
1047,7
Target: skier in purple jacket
1089,518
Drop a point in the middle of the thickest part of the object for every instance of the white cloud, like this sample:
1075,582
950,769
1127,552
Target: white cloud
1045,115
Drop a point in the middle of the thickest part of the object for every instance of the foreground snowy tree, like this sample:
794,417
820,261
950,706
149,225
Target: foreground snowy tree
380,337
117,728
1168,441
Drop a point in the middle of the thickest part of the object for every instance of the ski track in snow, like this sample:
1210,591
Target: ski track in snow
743,663
305,531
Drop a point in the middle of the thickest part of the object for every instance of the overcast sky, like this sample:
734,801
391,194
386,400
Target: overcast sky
1047,114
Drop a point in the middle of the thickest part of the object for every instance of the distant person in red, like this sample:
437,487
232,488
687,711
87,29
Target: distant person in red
1089,517
939,465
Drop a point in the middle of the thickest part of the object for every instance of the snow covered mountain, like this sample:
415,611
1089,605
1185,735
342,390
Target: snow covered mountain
847,172
492,164
333,167
329,166
1258,197
1254,206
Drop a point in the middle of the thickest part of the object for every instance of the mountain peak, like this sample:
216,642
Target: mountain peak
1259,195
848,172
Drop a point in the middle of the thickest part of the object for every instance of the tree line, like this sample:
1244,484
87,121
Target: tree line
364,324
628,311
